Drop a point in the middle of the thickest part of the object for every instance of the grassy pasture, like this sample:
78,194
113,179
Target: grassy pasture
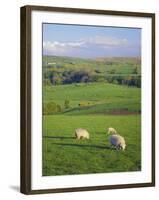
102,97
63,154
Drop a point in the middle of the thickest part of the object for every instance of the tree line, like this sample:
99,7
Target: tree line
54,77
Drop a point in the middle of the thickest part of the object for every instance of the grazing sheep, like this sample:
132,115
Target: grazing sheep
81,133
117,141
112,131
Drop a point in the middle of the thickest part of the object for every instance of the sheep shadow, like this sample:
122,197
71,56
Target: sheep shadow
58,137
100,133
84,146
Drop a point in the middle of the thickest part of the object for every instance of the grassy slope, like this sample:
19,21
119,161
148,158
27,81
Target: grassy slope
102,97
63,154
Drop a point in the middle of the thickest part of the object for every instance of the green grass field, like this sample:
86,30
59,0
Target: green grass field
63,154
101,96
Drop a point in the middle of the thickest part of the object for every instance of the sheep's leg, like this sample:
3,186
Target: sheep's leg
118,147
111,146
76,136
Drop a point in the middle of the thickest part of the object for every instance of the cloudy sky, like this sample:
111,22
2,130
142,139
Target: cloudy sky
90,41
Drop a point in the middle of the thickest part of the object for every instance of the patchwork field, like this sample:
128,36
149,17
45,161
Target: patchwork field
94,97
95,107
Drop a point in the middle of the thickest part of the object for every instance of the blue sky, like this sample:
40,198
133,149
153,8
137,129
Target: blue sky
91,41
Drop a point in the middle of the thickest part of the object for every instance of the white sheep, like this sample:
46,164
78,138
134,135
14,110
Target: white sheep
117,141
112,131
81,133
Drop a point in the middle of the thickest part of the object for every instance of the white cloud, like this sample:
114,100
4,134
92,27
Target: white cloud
108,41
60,48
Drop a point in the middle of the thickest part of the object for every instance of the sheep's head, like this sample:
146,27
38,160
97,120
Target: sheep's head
123,147
108,131
112,131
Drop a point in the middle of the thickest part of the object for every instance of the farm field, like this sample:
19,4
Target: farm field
87,98
95,107
63,154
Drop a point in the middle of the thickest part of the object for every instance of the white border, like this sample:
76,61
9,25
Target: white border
52,182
